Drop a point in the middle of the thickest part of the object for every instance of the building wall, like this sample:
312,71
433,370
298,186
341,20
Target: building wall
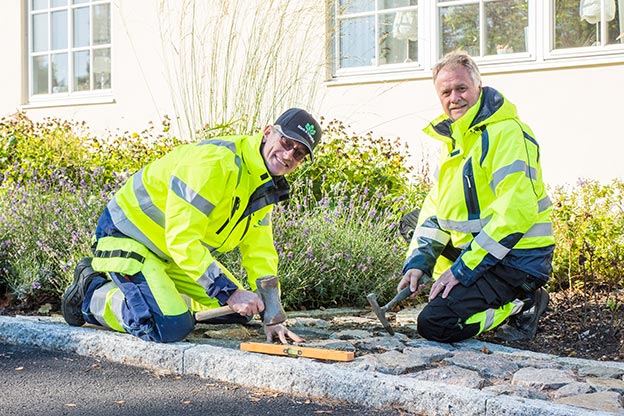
574,111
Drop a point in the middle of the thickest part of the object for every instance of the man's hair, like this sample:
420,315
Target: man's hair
456,59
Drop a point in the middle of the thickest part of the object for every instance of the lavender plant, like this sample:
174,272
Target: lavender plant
46,225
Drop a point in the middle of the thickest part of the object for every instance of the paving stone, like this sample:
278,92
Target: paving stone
489,365
608,401
391,362
452,374
380,344
416,343
542,378
351,334
573,389
605,384
332,344
601,371
366,320
429,354
518,391
307,322
534,362
409,315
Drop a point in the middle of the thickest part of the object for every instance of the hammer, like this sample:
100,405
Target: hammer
268,289
381,311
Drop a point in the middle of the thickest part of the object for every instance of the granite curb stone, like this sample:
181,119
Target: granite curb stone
309,377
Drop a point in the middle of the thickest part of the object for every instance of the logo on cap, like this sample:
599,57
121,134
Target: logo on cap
310,129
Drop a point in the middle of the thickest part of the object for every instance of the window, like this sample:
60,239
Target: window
69,47
593,23
483,27
375,33
382,36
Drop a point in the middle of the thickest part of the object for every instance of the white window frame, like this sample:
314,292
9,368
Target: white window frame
386,68
539,55
71,97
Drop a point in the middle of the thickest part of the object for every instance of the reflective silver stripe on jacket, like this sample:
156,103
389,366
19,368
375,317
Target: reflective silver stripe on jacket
543,229
433,234
212,272
181,189
491,246
124,225
145,201
515,167
543,204
468,227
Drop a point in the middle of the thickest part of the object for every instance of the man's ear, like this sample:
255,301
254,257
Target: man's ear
267,131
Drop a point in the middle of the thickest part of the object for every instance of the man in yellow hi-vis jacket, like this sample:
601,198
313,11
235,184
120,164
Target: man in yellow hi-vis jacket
154,264
484,231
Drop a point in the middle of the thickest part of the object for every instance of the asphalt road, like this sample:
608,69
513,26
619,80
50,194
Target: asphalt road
40,382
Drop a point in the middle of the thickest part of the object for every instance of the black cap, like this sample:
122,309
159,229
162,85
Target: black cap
299,125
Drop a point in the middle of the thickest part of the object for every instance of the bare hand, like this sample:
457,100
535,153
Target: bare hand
245,302
411,278
446,282
282,332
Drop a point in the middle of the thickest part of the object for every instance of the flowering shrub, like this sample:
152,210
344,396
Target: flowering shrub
46,227
333,252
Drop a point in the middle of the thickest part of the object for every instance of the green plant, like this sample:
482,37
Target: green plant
588,224
348,164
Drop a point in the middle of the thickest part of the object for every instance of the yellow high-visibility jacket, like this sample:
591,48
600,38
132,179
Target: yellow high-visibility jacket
203,198
488,203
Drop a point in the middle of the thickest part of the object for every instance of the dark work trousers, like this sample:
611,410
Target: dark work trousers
444,320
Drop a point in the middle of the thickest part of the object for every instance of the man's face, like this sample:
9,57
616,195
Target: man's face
281,154
456,90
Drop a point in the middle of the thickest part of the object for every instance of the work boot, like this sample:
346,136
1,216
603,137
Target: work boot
523,327
71,305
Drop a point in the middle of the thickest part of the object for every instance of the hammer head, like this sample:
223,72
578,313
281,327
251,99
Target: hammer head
268,289
380,312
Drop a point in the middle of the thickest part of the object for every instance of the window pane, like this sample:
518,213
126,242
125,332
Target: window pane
59,30
40,32
389,4
80,1
39,4
356,6
460,28
59,73
101,24
102,69
399,37
40,74
506,21
578,27
81,27
357,42
616,26
81,71
58,3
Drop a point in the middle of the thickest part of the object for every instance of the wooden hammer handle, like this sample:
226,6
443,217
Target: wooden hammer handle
213,313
